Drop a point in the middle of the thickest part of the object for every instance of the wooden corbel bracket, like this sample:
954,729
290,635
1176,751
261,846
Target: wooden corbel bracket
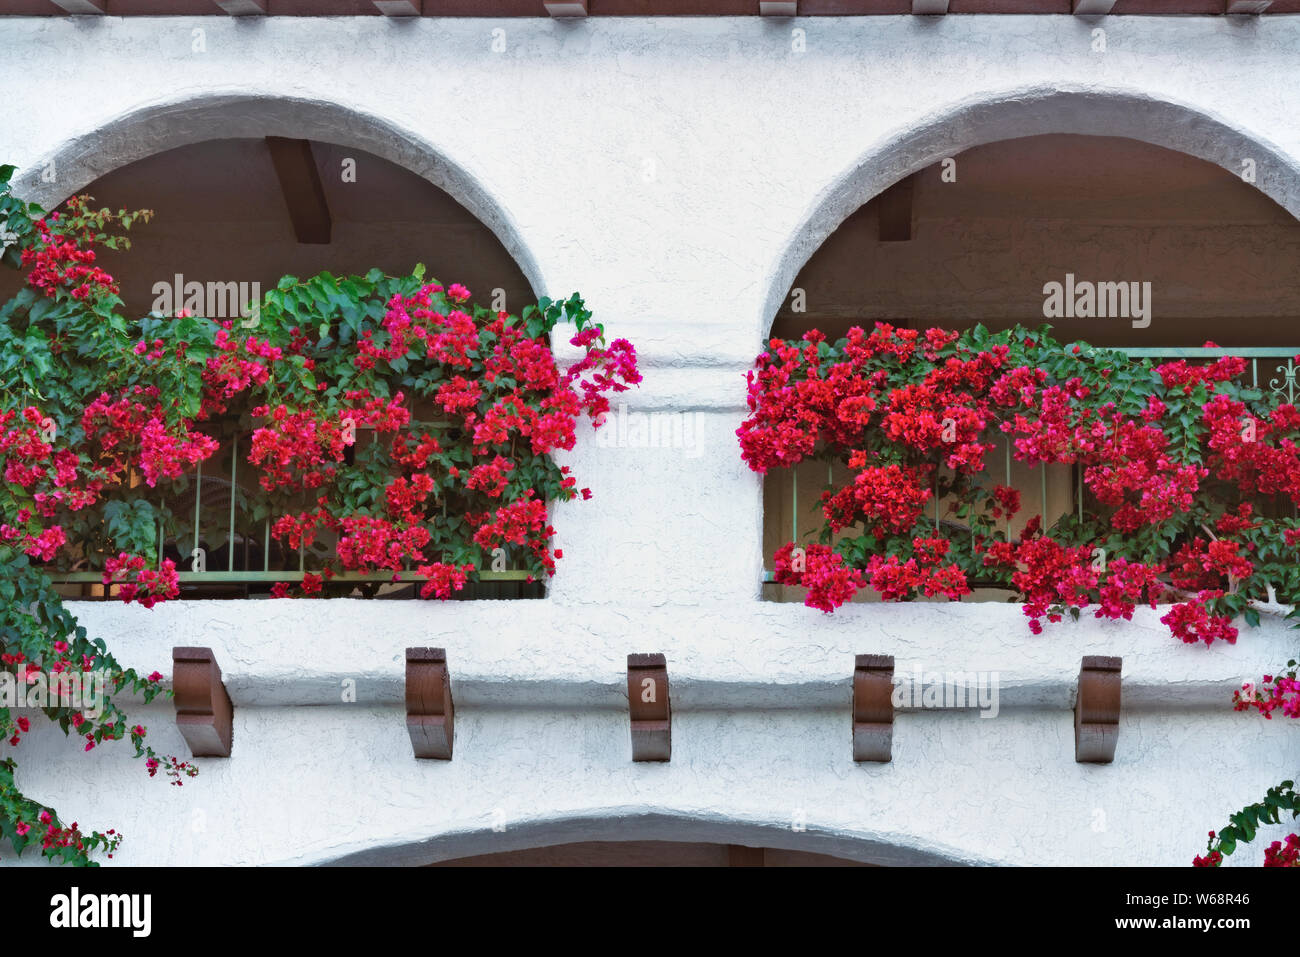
429,709
204,713
873,708
1096,711
649,706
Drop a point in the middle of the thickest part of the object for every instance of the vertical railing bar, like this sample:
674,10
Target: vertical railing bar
830,484
1008,483
198,489
794,504
161,539
302,545
1042,472
1254,373
266,546
234,459
1079,466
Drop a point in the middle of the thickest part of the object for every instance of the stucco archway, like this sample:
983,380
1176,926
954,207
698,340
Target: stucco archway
1013,114
152,129
641,824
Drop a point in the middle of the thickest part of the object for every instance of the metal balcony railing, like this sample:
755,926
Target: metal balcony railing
245,547
1058,488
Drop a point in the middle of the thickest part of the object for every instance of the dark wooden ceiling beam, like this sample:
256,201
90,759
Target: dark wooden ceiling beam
604,8
243,8
894,207
94,8
565,9
304,195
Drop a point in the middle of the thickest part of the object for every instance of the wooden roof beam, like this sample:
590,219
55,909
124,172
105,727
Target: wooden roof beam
93,8
398,8
243,8
303,193
566,9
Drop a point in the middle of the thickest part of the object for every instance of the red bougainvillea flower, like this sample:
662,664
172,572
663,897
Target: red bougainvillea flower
352,483
443,579
135,582
1191,622
829,579
1168,454
1279,855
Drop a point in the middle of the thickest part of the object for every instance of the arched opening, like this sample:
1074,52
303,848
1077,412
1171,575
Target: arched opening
222,214
1196,252
975,236
651,854
640,837
245,191
1021,113
72,166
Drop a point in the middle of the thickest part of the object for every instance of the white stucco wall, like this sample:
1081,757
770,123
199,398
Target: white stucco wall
677,172
761,739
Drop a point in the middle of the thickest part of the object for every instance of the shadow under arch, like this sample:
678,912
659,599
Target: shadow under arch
1015,114
155,128
623,824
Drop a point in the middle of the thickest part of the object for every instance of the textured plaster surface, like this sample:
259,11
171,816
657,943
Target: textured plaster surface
338,783
678,172
761,750
754,654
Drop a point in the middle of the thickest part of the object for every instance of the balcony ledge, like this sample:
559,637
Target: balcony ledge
751,656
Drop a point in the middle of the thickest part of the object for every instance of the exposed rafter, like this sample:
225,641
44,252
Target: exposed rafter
95,8
565,9
894,207
243,8
568,9
304,196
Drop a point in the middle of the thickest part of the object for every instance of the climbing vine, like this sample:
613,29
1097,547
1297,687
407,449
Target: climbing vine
390,424
1191,479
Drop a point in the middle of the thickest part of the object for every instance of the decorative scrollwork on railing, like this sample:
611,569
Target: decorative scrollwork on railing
1284,384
